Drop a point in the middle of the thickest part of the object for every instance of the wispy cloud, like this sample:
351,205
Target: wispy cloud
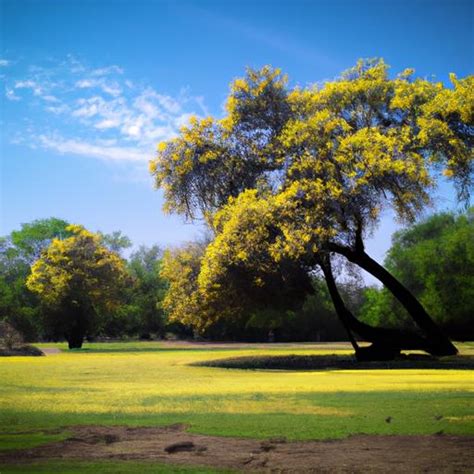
95,150
97,112
105,71
10,94
4,62
108,86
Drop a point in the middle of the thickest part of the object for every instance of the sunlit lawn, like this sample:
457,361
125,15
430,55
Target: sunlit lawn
148,384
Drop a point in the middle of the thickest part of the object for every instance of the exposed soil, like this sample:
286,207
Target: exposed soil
172,444
51,350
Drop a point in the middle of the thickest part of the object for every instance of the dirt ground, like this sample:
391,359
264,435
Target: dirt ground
172,444
51,350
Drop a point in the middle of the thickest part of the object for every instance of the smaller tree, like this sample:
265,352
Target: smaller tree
35,236
116,241
78,279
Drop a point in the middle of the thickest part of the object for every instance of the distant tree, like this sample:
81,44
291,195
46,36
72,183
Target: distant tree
319,165
381,309
18,251
35,236
15,299
78,279
116,241
148,290
315,320
435,260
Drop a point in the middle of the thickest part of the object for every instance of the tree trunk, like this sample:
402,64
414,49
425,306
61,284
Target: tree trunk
77,331
386,343
338,303
437,343
75,340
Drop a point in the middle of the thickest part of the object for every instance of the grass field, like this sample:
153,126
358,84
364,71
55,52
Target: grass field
151,384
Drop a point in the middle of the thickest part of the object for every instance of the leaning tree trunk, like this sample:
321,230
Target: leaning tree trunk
438,343
343,313
386,343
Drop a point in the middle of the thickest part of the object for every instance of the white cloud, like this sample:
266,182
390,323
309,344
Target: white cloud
146,106
202,105
132,127
107,123
57,109
84,83
29,84
99,112
4,62
24,85
183,119
95,150
159,133
10,94
107,70
110,87
50,98
88,107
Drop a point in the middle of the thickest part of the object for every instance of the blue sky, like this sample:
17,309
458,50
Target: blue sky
89,87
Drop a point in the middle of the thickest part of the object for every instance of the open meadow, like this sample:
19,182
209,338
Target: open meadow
87,397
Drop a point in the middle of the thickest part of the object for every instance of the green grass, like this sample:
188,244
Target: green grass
104,467
148,384
29,440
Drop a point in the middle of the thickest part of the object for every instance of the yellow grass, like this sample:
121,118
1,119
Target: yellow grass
160,386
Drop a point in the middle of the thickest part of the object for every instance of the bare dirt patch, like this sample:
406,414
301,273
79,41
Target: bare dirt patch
172,444
51,350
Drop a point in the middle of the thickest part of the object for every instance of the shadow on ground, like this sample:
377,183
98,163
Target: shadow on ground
343,362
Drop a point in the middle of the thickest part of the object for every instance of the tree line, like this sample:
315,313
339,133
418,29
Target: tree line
149,294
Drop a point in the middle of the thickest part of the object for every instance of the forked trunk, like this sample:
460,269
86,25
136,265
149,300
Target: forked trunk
386,343
437,343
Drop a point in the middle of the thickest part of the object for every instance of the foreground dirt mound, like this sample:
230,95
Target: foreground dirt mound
172,444
343,362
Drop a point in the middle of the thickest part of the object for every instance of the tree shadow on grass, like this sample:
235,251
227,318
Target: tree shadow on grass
341,362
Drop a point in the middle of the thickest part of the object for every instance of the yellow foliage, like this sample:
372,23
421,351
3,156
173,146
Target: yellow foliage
285,173
78,267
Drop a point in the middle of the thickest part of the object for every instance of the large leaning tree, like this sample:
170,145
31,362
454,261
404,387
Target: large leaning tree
326,162
78,279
